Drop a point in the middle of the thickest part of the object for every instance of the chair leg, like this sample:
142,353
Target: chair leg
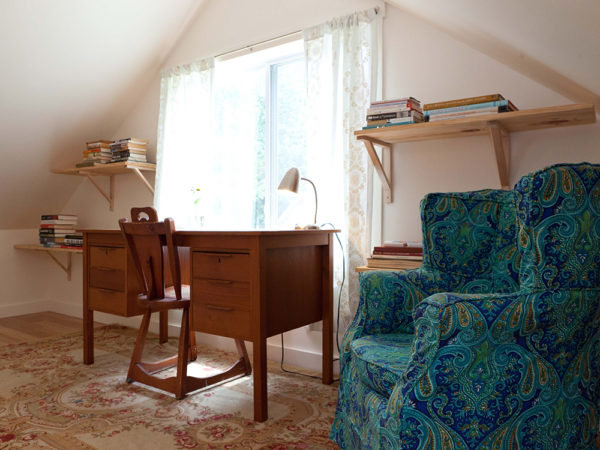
243,353
184,353
193,350
136,357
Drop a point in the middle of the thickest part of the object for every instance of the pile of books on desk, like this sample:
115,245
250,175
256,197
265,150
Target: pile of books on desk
388,113
58,230
399,255
467,107
96,152
129,149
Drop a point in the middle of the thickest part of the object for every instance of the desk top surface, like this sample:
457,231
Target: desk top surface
225,233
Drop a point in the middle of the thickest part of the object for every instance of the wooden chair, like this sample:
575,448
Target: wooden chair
145,237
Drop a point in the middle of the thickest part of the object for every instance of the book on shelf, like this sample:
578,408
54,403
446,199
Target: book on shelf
464,114
415,251
98,143
392,109
405,100
58,217
59,222
413,257
463,101
475,106
75,247
402,244
393,264
392,121
395,114
406,121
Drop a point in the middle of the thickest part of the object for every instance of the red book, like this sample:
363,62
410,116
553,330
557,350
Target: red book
398,250
398,254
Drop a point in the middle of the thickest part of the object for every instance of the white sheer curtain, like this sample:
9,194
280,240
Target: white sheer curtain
184,118
342,63
206,156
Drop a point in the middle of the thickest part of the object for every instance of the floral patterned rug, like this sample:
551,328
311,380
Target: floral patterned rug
50,399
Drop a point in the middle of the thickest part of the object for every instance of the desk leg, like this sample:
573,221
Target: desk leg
327,298
163,326
88,335
260,380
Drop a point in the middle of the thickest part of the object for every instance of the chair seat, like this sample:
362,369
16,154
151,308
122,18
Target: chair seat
381,359
169,301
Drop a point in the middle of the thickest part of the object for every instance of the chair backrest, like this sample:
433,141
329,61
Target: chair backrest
558,210
470,238
145,237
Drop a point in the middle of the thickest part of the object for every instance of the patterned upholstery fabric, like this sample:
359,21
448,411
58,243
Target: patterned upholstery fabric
515,368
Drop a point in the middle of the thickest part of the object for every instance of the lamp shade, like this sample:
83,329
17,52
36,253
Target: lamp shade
290,181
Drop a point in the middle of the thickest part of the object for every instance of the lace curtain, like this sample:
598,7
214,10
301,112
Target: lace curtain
185,105
342,63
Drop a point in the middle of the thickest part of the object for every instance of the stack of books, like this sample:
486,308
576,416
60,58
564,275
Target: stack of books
388,113
129,149
58,230
96,152
398,255
467,107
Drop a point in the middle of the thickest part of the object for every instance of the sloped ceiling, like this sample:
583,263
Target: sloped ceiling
70,71
553,42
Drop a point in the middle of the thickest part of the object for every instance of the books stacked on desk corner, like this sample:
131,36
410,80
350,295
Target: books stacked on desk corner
467,107
400,255
388,113
58,230
129,149
96,152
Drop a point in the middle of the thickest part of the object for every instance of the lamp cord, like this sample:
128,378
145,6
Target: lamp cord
337,321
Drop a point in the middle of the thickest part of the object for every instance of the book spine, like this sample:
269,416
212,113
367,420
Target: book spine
391,109
461,116
463,101
466,107
409,121
394,115
491,109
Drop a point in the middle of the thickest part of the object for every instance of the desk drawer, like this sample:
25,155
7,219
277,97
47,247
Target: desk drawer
222,320
221,266
107,300
221,292
108,257
107,278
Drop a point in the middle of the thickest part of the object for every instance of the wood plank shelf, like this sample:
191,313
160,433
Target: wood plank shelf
497,126
49,251
110,170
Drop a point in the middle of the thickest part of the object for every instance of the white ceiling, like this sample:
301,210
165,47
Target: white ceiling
563,35
71,70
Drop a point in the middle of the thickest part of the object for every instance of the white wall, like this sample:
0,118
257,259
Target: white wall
25,274
418,61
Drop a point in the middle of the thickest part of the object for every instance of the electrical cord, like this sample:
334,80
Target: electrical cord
337,326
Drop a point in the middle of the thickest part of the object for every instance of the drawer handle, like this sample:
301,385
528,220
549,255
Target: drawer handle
106,269
219,308
220,281
111,291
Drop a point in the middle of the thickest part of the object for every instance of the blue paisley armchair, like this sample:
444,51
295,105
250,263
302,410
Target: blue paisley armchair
494,343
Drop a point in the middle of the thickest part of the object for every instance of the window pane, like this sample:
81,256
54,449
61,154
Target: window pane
289,116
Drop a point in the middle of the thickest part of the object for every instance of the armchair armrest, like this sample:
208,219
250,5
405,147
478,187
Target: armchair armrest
489,369
387,300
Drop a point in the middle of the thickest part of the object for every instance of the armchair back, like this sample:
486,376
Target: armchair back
558,211
471,238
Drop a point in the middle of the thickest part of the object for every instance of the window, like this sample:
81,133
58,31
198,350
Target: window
259,132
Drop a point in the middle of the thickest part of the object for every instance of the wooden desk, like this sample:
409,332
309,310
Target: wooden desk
247,284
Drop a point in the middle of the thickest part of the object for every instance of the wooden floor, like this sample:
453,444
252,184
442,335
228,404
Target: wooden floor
31,327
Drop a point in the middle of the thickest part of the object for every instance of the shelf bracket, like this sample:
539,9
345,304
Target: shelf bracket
500,140
110,197
66,268
383,169
138,172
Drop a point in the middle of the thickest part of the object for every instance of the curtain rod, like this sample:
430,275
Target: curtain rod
266,43
252,47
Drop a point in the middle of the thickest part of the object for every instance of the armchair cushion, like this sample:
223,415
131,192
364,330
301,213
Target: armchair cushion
381,359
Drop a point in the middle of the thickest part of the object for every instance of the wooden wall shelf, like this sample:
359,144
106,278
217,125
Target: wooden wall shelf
110,170
50,250
497,126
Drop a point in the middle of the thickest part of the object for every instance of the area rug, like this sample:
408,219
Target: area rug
50,399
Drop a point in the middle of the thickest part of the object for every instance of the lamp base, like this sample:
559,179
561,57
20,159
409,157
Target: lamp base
310,226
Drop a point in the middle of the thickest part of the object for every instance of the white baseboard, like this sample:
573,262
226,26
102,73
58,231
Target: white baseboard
20,308
301,358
